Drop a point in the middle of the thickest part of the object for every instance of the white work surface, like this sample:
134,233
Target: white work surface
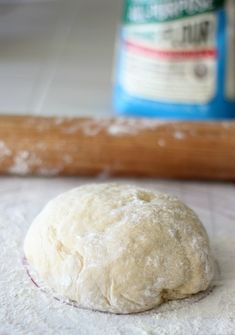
25,309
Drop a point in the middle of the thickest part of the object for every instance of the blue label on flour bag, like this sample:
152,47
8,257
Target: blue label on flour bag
177,59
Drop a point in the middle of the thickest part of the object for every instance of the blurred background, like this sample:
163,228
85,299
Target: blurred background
56,57
156,58
59,58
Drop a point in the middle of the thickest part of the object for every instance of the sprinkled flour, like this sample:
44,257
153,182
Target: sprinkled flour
4,150
25,309
114,127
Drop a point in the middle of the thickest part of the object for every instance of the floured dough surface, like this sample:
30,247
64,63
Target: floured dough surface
119,248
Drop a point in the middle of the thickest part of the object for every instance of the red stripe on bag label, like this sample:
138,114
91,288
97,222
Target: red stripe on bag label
163,53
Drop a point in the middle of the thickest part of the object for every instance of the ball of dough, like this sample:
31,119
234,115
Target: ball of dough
119,248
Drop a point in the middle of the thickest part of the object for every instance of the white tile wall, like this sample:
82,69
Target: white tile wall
56,57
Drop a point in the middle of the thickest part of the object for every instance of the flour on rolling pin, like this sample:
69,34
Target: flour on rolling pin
25,309
65,146
24,160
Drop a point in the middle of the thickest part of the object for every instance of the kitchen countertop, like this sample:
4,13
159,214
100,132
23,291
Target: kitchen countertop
26,309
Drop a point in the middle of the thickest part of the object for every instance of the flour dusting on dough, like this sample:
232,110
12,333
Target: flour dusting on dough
113,241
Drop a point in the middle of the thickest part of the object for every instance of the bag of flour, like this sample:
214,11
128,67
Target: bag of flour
176,59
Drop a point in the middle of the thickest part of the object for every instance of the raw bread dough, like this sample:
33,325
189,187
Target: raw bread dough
119,248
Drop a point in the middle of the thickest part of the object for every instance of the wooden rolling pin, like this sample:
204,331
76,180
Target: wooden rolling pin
124,147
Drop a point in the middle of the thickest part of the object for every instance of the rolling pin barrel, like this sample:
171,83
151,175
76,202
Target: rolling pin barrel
122,147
